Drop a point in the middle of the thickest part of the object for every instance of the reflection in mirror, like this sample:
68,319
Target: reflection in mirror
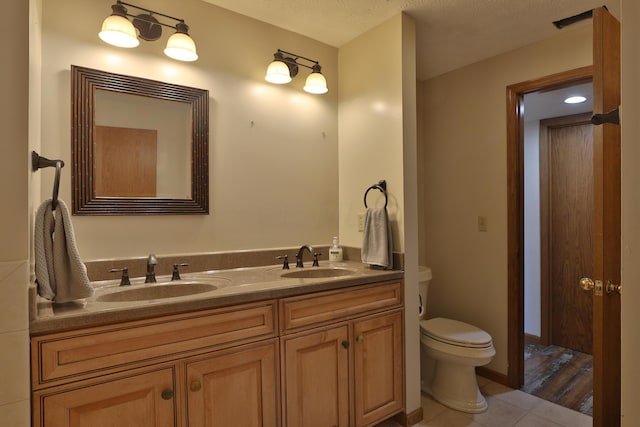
139,146
137,136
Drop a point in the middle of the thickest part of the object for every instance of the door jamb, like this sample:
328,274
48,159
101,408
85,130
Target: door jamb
515,208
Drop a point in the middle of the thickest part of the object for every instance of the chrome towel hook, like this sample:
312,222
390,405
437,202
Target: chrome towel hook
382,186
39,162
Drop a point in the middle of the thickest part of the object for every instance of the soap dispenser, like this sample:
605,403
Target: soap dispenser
335,251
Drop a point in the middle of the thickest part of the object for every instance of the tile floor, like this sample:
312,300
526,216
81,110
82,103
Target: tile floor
507,408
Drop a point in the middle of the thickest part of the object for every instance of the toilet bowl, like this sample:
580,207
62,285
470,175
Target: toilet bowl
450,350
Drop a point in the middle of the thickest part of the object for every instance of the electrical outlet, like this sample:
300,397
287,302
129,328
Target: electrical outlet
360,222
482,223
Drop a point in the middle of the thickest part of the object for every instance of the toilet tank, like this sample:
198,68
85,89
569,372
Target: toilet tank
424,278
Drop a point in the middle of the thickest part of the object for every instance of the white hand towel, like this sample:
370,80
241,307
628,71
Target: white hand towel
60,273
377,244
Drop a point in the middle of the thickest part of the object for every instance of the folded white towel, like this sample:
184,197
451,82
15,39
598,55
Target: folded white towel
60,273
377,244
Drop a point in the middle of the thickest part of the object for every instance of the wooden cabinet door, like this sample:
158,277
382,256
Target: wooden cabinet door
143,400
234,388
378,372
315,368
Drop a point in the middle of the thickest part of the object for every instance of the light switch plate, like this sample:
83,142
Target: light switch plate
360,222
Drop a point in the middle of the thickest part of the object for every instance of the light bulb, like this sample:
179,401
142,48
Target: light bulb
278,73
118,31
316,83
181,47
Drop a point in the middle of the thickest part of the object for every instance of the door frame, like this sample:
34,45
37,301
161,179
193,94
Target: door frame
515,208
546,300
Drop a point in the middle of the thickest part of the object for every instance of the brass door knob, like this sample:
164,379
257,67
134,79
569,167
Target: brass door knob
587,284
611,288
360,339
195,385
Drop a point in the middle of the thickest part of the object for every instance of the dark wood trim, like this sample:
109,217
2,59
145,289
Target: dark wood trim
84,83
532,339
546,320
607,218
515,209
494,376
406,420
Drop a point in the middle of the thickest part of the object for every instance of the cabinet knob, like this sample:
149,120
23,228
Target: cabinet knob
360,339
195,385
345,344
167,394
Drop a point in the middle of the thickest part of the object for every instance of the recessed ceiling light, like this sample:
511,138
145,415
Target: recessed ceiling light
575,100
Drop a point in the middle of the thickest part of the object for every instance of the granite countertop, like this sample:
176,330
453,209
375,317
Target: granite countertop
233,286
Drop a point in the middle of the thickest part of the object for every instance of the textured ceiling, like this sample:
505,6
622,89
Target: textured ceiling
450,33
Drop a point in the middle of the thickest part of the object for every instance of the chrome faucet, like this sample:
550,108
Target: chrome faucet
152,261
299,255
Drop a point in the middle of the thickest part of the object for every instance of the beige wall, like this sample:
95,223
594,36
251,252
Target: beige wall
273,149
630,111
464,161
371,128
377,117
14,227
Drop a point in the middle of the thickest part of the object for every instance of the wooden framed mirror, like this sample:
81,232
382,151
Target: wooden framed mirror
139,146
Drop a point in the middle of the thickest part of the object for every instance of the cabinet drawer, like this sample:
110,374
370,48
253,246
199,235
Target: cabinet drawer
322,307
110,348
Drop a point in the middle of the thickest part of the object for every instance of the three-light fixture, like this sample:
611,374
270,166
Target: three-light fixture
118,30
284,68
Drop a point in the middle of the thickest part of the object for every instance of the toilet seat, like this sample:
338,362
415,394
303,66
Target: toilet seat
455,333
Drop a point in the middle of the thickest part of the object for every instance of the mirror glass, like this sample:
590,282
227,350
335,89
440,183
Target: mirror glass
135,138
139,146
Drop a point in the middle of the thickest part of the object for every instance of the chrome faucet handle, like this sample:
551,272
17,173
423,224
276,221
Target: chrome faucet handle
285,263
176,271
124,280
315,259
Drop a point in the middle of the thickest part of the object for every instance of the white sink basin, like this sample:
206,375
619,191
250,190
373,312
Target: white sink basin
157,291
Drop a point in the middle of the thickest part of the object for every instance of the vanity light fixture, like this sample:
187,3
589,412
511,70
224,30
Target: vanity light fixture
283,68
118,30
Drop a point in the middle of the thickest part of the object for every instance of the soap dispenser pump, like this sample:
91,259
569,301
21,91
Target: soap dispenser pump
335,251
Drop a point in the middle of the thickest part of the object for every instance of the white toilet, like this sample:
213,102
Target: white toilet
449,353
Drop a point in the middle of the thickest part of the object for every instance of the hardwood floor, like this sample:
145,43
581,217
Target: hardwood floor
559,375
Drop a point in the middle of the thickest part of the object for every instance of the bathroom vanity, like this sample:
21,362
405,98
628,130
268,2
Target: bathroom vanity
260,350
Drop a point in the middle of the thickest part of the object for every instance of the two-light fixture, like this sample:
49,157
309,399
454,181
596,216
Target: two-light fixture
283,68
118,30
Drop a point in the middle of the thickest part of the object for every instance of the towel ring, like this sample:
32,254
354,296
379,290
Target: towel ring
382,186
39,162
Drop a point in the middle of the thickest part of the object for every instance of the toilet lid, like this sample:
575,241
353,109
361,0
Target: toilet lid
455,333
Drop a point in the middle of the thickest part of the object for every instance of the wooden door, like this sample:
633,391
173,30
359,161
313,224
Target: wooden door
378,373
145,400
125,162
606,242
566,201
234,388
315,385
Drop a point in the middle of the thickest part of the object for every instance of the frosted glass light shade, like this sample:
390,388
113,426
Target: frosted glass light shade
278,73
316,83
119,31
181,47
